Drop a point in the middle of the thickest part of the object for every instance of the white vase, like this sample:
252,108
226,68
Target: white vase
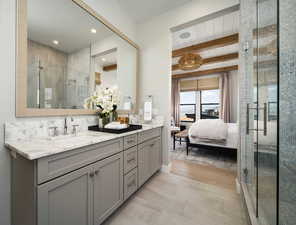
101,123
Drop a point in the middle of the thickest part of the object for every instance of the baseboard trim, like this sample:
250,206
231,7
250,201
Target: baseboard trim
250,208
238,186
166,168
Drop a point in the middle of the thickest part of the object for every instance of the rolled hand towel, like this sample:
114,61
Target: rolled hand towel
116,126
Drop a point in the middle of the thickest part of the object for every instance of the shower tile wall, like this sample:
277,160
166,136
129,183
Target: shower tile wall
52,75
287,166
67,75
78,78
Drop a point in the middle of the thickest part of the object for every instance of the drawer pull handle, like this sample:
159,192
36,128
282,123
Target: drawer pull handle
133,183
152,145
131,160
130,141
91,174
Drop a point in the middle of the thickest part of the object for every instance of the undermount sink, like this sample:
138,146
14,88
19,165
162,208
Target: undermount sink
79,136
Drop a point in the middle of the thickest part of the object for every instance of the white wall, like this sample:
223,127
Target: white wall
154,38
7,99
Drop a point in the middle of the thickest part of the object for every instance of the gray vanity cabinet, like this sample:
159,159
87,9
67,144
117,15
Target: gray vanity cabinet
83,186
149,159
66,200
107,187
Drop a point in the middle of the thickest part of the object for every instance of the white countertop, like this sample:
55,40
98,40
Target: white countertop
42,147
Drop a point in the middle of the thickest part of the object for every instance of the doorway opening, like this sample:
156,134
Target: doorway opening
204,130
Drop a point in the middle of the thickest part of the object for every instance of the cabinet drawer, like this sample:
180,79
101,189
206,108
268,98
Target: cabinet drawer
149,134
130,183
130,141
130,159
60,164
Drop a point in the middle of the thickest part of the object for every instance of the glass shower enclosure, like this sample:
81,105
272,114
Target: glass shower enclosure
260,159
268,110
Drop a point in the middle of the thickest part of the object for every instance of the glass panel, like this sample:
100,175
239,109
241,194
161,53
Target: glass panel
210,111
188,97
267,69
210,104
187,113
188,106
210,96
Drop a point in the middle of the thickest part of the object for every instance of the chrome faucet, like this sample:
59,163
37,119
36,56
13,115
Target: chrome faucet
66,125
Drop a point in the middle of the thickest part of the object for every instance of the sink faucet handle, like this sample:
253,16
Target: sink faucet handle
55,131
74,131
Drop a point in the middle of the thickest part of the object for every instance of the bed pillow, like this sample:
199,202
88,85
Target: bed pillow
213,129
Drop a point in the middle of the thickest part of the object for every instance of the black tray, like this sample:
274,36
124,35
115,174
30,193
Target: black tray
131,127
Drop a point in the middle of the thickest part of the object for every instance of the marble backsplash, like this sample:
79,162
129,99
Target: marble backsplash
29,128
26,129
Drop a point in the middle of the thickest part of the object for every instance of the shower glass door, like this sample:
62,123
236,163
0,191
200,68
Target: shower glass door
267,97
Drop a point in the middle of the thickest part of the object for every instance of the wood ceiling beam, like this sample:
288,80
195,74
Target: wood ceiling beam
216,43
224,41
205,72
110,67
215,59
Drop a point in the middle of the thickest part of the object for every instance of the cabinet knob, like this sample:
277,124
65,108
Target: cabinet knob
91,174
97,172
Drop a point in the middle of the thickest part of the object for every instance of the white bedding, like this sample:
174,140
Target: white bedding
212,129
230,142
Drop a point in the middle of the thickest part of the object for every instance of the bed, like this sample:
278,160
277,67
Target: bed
230,143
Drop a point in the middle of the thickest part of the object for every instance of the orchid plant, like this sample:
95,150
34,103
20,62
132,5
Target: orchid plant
104,100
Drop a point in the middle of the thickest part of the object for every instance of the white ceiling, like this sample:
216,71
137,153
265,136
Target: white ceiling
209,30
212,29
64,21
140,11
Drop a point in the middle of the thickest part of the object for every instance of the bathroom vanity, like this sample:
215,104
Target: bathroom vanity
82,179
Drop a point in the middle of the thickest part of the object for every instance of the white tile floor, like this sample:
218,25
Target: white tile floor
169,199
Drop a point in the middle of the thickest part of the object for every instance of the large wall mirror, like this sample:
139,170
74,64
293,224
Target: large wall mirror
65,52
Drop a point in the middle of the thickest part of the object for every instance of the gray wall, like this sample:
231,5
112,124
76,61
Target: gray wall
287,152
7,99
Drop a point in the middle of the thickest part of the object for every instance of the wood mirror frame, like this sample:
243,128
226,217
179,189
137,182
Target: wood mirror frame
21,64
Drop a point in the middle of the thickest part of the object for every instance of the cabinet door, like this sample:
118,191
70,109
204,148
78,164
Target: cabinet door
66,200
108,187
155,156
143,163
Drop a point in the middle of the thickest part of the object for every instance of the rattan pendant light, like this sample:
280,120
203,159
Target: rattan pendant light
190,61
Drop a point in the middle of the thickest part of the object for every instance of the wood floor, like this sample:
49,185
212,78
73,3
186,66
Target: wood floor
207,174
169,199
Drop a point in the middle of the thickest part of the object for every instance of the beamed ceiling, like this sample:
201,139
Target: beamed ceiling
216,41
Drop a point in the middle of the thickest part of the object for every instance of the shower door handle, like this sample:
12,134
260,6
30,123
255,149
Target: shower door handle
248,118
264,108
265,119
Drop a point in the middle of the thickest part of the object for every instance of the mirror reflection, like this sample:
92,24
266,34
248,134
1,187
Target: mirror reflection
72,54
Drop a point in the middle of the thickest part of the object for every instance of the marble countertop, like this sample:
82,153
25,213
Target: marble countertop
42,147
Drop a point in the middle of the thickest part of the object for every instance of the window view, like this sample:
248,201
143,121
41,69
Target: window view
210,106
188,106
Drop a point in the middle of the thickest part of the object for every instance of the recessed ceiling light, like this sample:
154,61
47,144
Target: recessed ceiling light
185,35
94,31
103,59
55,42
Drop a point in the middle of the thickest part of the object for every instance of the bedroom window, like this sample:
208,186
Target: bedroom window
209,104
188,106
